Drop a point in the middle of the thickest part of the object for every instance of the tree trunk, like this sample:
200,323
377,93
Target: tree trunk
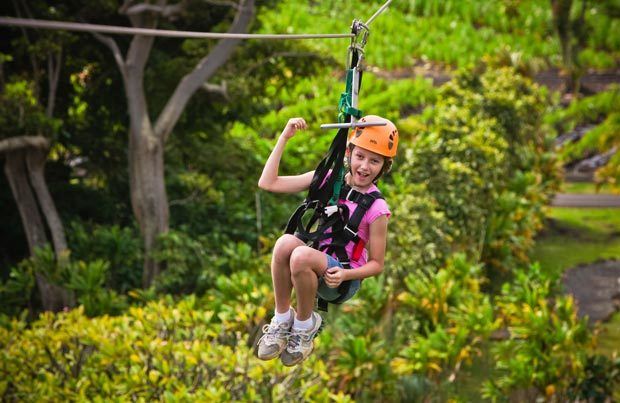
15,170
146,160
35,161
148,192
561,20
146,142
572,39
53,297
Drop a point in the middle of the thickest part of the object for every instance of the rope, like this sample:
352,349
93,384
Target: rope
109,29
379,11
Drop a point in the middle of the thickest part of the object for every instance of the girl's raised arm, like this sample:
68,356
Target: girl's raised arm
269,179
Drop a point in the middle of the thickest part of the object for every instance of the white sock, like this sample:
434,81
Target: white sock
283,317
303,324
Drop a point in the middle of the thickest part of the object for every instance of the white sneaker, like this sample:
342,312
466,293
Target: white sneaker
275,337
301,342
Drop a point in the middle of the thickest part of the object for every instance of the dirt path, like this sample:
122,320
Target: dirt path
585,200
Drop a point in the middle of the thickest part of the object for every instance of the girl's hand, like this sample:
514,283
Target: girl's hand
292,126
334,276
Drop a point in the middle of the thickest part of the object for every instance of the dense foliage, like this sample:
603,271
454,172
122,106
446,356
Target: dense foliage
602,112
476,168
457,33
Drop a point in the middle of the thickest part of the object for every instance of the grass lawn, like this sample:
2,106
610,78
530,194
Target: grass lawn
585,188
578,235
609,336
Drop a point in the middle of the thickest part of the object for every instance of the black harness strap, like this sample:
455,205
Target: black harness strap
345,231
335,223
319,194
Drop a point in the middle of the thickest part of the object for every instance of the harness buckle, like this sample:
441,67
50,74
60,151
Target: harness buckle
349,194
354,233
329,210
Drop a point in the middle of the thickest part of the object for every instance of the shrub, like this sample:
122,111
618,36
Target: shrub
545,354
454,318
601,109
482,168
189,263
119,247
164,350
85,279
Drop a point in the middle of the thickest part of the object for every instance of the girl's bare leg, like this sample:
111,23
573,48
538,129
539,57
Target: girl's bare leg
281,270
306,265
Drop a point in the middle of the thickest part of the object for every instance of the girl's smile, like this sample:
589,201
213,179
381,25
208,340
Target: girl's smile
365,166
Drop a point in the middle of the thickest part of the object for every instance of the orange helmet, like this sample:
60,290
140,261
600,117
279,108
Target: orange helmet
382,140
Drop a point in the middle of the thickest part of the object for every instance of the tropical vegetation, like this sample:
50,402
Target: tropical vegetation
147,279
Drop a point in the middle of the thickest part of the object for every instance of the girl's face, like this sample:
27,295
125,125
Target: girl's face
365,166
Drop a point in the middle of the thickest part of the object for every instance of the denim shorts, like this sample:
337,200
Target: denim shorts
330,294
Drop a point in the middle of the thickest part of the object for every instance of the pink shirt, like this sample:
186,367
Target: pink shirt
378,208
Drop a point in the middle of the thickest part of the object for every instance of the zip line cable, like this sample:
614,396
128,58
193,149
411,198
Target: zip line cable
110,29
117,30
379,11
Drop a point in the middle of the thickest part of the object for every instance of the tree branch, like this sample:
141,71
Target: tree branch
141,45
204,70
15,143
223,3
33,58
126,4
35,161
221,89
118,56
167,11
54,62
193,196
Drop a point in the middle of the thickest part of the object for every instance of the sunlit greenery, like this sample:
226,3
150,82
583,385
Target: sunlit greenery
468,303
586,188
451,32
578,235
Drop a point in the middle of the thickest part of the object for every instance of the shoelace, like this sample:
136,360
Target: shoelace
297,337
271,330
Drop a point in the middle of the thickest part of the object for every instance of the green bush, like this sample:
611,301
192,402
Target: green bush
20,290
119,247
189,264
85,279
16,292
602,378
482,169
454,317
21,114
545,354
602,110
164,350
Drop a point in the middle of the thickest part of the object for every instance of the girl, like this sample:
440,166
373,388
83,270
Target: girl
294,265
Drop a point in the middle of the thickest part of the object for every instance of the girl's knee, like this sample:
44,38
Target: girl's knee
287,241
302,259
284,246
